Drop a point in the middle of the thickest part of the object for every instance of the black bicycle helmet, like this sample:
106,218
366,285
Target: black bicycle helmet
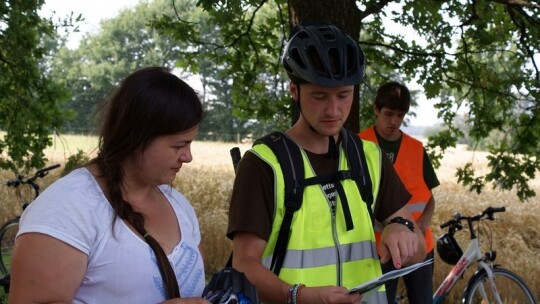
323,55
449,249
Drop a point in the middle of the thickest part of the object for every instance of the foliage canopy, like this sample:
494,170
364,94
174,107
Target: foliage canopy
476,57
30,99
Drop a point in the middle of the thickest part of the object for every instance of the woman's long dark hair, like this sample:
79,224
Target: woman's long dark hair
150,102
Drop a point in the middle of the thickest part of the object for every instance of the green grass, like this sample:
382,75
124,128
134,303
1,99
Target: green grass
3,296
6,259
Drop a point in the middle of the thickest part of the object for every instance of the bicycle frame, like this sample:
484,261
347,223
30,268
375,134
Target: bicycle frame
472,254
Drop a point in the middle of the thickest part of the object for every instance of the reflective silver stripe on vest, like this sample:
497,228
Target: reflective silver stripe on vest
416,207
298,259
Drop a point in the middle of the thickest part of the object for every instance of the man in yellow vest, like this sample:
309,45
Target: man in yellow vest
416,171
331,245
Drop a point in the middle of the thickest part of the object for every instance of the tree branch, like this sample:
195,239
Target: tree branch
375,8
521,3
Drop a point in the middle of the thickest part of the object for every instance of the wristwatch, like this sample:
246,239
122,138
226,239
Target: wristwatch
402,221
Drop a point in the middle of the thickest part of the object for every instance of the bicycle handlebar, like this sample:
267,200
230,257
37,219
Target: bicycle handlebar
45,171
39,173
488,213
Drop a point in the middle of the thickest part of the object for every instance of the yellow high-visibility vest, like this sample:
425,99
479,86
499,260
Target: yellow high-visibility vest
320,250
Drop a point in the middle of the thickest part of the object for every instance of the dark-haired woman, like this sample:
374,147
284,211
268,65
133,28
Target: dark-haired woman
115,231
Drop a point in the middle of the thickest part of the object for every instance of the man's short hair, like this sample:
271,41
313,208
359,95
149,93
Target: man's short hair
393,95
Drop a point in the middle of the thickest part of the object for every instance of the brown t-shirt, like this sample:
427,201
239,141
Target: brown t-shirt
252,203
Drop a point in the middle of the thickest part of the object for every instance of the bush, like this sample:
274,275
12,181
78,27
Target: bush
75,161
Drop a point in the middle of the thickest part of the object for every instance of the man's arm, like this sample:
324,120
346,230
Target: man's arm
425,220
247,253
248,250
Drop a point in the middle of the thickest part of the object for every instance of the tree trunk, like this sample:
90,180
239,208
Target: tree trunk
345,15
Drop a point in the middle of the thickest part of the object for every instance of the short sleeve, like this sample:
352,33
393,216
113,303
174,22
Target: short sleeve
73,210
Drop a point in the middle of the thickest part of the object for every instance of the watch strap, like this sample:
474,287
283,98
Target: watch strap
402,221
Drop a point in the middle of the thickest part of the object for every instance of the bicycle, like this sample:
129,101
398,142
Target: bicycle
26,190
491,283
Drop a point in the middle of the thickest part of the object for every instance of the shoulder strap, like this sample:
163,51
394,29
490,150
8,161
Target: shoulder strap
292,165
358,167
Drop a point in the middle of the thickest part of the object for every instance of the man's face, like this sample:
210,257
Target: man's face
324,108
388,122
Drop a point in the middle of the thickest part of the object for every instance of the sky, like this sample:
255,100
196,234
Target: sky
95,10
92,11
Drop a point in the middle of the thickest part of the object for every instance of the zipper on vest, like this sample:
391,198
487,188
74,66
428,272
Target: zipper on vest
332,205
336,242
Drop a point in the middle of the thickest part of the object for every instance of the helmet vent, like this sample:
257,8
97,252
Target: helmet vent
295,56
334,57
351,60
315,59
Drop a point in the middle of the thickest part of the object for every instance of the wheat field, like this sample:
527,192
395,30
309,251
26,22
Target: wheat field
207,182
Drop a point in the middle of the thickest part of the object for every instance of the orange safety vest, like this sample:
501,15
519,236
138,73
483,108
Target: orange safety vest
411,154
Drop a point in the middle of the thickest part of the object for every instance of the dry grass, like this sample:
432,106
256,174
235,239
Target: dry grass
208,180
515,234
207,183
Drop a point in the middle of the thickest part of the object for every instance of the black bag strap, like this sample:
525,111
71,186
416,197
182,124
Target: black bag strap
358,167
292,165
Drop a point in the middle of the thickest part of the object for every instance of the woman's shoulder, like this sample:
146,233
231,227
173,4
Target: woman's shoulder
72,209
78,189
79,182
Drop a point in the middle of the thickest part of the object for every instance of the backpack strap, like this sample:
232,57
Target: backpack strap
290,160
358,167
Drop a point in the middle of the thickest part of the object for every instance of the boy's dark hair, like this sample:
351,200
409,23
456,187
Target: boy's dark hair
393,95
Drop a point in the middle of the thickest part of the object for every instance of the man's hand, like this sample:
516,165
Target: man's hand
399,244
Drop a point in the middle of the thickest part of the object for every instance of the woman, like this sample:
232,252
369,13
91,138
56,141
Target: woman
115,231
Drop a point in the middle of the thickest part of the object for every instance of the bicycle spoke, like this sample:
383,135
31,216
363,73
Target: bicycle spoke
511,289
7,240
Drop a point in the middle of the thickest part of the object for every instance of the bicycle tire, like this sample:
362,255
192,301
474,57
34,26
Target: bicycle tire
511,287
7,240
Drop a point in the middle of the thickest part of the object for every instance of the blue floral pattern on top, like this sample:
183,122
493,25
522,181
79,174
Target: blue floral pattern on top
186,267
185,259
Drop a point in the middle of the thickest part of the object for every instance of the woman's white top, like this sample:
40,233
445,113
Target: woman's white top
122,267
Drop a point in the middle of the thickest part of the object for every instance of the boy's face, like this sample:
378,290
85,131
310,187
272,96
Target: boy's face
388,122
324,108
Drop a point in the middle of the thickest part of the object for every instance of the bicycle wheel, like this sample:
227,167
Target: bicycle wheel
7,240
511,288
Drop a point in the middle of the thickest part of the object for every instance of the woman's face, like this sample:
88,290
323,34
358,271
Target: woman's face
161,160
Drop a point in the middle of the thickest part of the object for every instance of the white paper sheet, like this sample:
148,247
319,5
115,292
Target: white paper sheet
371,286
